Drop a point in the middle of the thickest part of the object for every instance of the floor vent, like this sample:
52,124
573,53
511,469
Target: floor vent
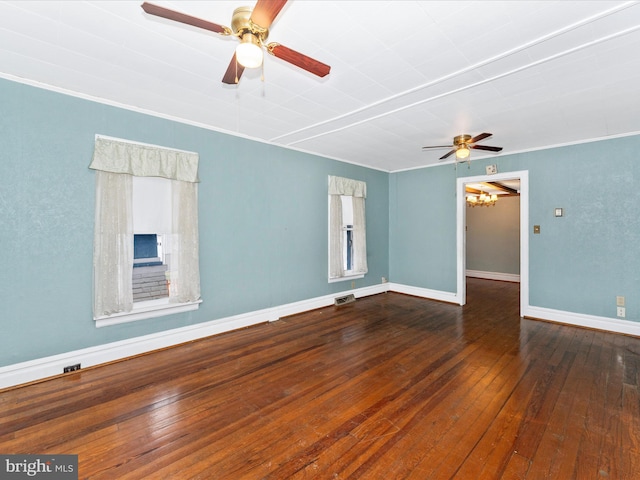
344,300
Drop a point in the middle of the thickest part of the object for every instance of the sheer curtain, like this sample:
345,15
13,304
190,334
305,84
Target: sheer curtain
185,269
115,161
113,244
359,236
339,186
336,266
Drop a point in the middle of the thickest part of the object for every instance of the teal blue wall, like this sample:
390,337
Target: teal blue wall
262,217
263,223
423,228
579,263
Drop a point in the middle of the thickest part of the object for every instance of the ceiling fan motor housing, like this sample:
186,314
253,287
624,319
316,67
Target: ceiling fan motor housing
241,25
461,140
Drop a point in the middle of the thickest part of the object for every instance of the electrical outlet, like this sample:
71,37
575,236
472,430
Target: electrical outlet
71,368
621,312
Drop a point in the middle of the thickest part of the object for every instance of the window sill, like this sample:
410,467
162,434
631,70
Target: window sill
145,310
346,277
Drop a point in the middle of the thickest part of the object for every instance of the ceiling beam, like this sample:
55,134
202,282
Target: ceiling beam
499,186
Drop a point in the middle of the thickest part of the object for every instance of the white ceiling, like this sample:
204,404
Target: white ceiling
404,73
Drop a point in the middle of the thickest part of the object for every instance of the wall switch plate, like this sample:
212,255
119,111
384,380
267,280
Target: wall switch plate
491,169
536,229
620,301
621,312
558,212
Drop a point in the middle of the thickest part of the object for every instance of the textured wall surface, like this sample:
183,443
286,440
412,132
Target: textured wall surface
578,263
263,218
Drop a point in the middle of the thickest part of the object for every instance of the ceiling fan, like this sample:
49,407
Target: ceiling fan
462,144
252,28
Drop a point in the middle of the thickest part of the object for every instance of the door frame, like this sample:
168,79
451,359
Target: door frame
461,238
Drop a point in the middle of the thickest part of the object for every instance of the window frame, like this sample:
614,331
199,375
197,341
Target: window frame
147,309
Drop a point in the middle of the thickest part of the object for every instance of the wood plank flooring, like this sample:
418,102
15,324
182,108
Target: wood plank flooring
389,387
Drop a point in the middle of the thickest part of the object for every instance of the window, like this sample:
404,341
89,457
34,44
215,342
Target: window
347,230
143,193
147,250
151,238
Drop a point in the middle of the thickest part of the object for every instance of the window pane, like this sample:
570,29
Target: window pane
152,212
149,283
151,205
348,244
347,210
347,226
150,280
145,246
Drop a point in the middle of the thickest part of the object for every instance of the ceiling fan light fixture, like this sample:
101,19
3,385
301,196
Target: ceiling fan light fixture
249,51
462,152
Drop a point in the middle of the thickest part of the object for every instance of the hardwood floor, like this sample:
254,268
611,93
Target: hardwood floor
389,387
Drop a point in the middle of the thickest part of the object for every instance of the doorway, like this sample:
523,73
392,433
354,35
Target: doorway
461,248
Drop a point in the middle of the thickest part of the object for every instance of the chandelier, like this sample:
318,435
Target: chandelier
482,200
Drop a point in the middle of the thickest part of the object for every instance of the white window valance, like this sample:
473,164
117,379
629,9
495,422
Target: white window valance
142,160
347,186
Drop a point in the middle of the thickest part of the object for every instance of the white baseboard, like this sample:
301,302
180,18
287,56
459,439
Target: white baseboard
41,368
615,325
504,277
425,293
319,302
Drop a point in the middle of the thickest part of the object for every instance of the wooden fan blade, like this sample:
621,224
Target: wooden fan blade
233,73
159,11
482,136
436,146
298,59
447,154
486,147
266,11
